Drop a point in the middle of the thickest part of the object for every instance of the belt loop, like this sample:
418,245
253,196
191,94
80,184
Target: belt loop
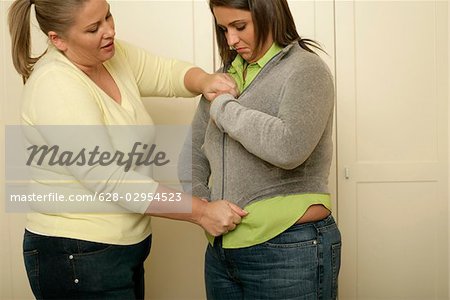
320,224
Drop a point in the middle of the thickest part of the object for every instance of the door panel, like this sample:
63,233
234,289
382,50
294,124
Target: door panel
392,148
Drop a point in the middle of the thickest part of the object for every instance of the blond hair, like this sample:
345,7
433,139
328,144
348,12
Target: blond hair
52,15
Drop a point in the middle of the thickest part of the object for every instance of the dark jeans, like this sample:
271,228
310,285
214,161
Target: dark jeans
301,263
63,268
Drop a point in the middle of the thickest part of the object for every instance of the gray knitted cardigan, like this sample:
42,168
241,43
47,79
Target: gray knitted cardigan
275,139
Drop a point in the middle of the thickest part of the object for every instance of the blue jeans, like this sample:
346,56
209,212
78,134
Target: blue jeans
301,263
63,268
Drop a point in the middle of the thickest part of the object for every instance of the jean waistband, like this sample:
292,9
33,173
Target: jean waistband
324,222
320,226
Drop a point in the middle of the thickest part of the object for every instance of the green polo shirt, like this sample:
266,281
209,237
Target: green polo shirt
269,217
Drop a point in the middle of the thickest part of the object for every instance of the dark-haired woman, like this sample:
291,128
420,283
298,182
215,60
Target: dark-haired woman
268,151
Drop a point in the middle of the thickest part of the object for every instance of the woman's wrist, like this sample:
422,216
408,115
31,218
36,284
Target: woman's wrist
195,80
198,209
210,85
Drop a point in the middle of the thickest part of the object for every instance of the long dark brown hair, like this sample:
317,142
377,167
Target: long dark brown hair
269,16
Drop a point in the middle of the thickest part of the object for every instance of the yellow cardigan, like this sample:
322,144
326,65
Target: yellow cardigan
59,93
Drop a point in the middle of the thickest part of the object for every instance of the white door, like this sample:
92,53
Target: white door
392,148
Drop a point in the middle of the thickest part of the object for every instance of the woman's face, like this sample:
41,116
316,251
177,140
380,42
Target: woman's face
238,27
90,40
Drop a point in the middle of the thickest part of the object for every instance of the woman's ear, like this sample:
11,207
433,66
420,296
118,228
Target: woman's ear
57,41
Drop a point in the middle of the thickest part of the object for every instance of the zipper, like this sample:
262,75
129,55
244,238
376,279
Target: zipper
264,70
223,166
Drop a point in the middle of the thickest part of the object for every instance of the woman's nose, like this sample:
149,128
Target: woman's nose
232,39
109,31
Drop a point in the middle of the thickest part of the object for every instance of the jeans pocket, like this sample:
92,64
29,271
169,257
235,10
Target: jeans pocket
335,265
293,244
297,236
31,259
293,266
90,248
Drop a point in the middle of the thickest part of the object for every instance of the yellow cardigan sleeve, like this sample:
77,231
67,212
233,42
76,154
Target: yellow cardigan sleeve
156,76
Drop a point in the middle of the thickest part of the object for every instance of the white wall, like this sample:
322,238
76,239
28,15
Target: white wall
13,284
